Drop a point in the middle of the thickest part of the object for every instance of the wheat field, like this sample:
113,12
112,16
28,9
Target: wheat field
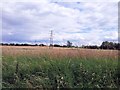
42,68
57,52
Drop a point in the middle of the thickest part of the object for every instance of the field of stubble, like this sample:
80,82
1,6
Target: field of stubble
42,68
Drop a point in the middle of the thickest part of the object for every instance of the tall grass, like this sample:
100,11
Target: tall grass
42,68
65,72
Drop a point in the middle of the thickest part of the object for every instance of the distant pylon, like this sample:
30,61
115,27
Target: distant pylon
51,39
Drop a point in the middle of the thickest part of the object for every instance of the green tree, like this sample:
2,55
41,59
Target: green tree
69,44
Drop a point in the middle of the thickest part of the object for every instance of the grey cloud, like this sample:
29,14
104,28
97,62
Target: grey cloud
33,21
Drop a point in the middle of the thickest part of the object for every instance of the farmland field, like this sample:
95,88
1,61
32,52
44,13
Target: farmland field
42,68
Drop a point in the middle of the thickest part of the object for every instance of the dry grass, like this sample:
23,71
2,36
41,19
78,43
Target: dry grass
57,52
42,68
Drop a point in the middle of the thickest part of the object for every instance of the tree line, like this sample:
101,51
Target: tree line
18,44
104,45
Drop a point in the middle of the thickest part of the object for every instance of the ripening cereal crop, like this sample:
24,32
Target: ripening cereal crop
42,68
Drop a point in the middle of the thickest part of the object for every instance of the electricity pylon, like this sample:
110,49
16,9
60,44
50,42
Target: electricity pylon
51,39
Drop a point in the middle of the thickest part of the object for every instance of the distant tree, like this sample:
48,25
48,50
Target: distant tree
36,45
64,46
42,45
94,47
12,44
104,45
110,45
56,45
4,44
117,46
90,47
17,44
69,44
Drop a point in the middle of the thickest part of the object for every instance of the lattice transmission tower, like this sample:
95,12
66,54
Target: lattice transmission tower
51,39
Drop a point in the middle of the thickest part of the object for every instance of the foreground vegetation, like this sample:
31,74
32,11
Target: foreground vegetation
50,71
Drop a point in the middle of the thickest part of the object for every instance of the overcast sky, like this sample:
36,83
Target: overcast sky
81,23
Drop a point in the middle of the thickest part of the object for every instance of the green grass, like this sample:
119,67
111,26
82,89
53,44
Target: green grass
49,72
